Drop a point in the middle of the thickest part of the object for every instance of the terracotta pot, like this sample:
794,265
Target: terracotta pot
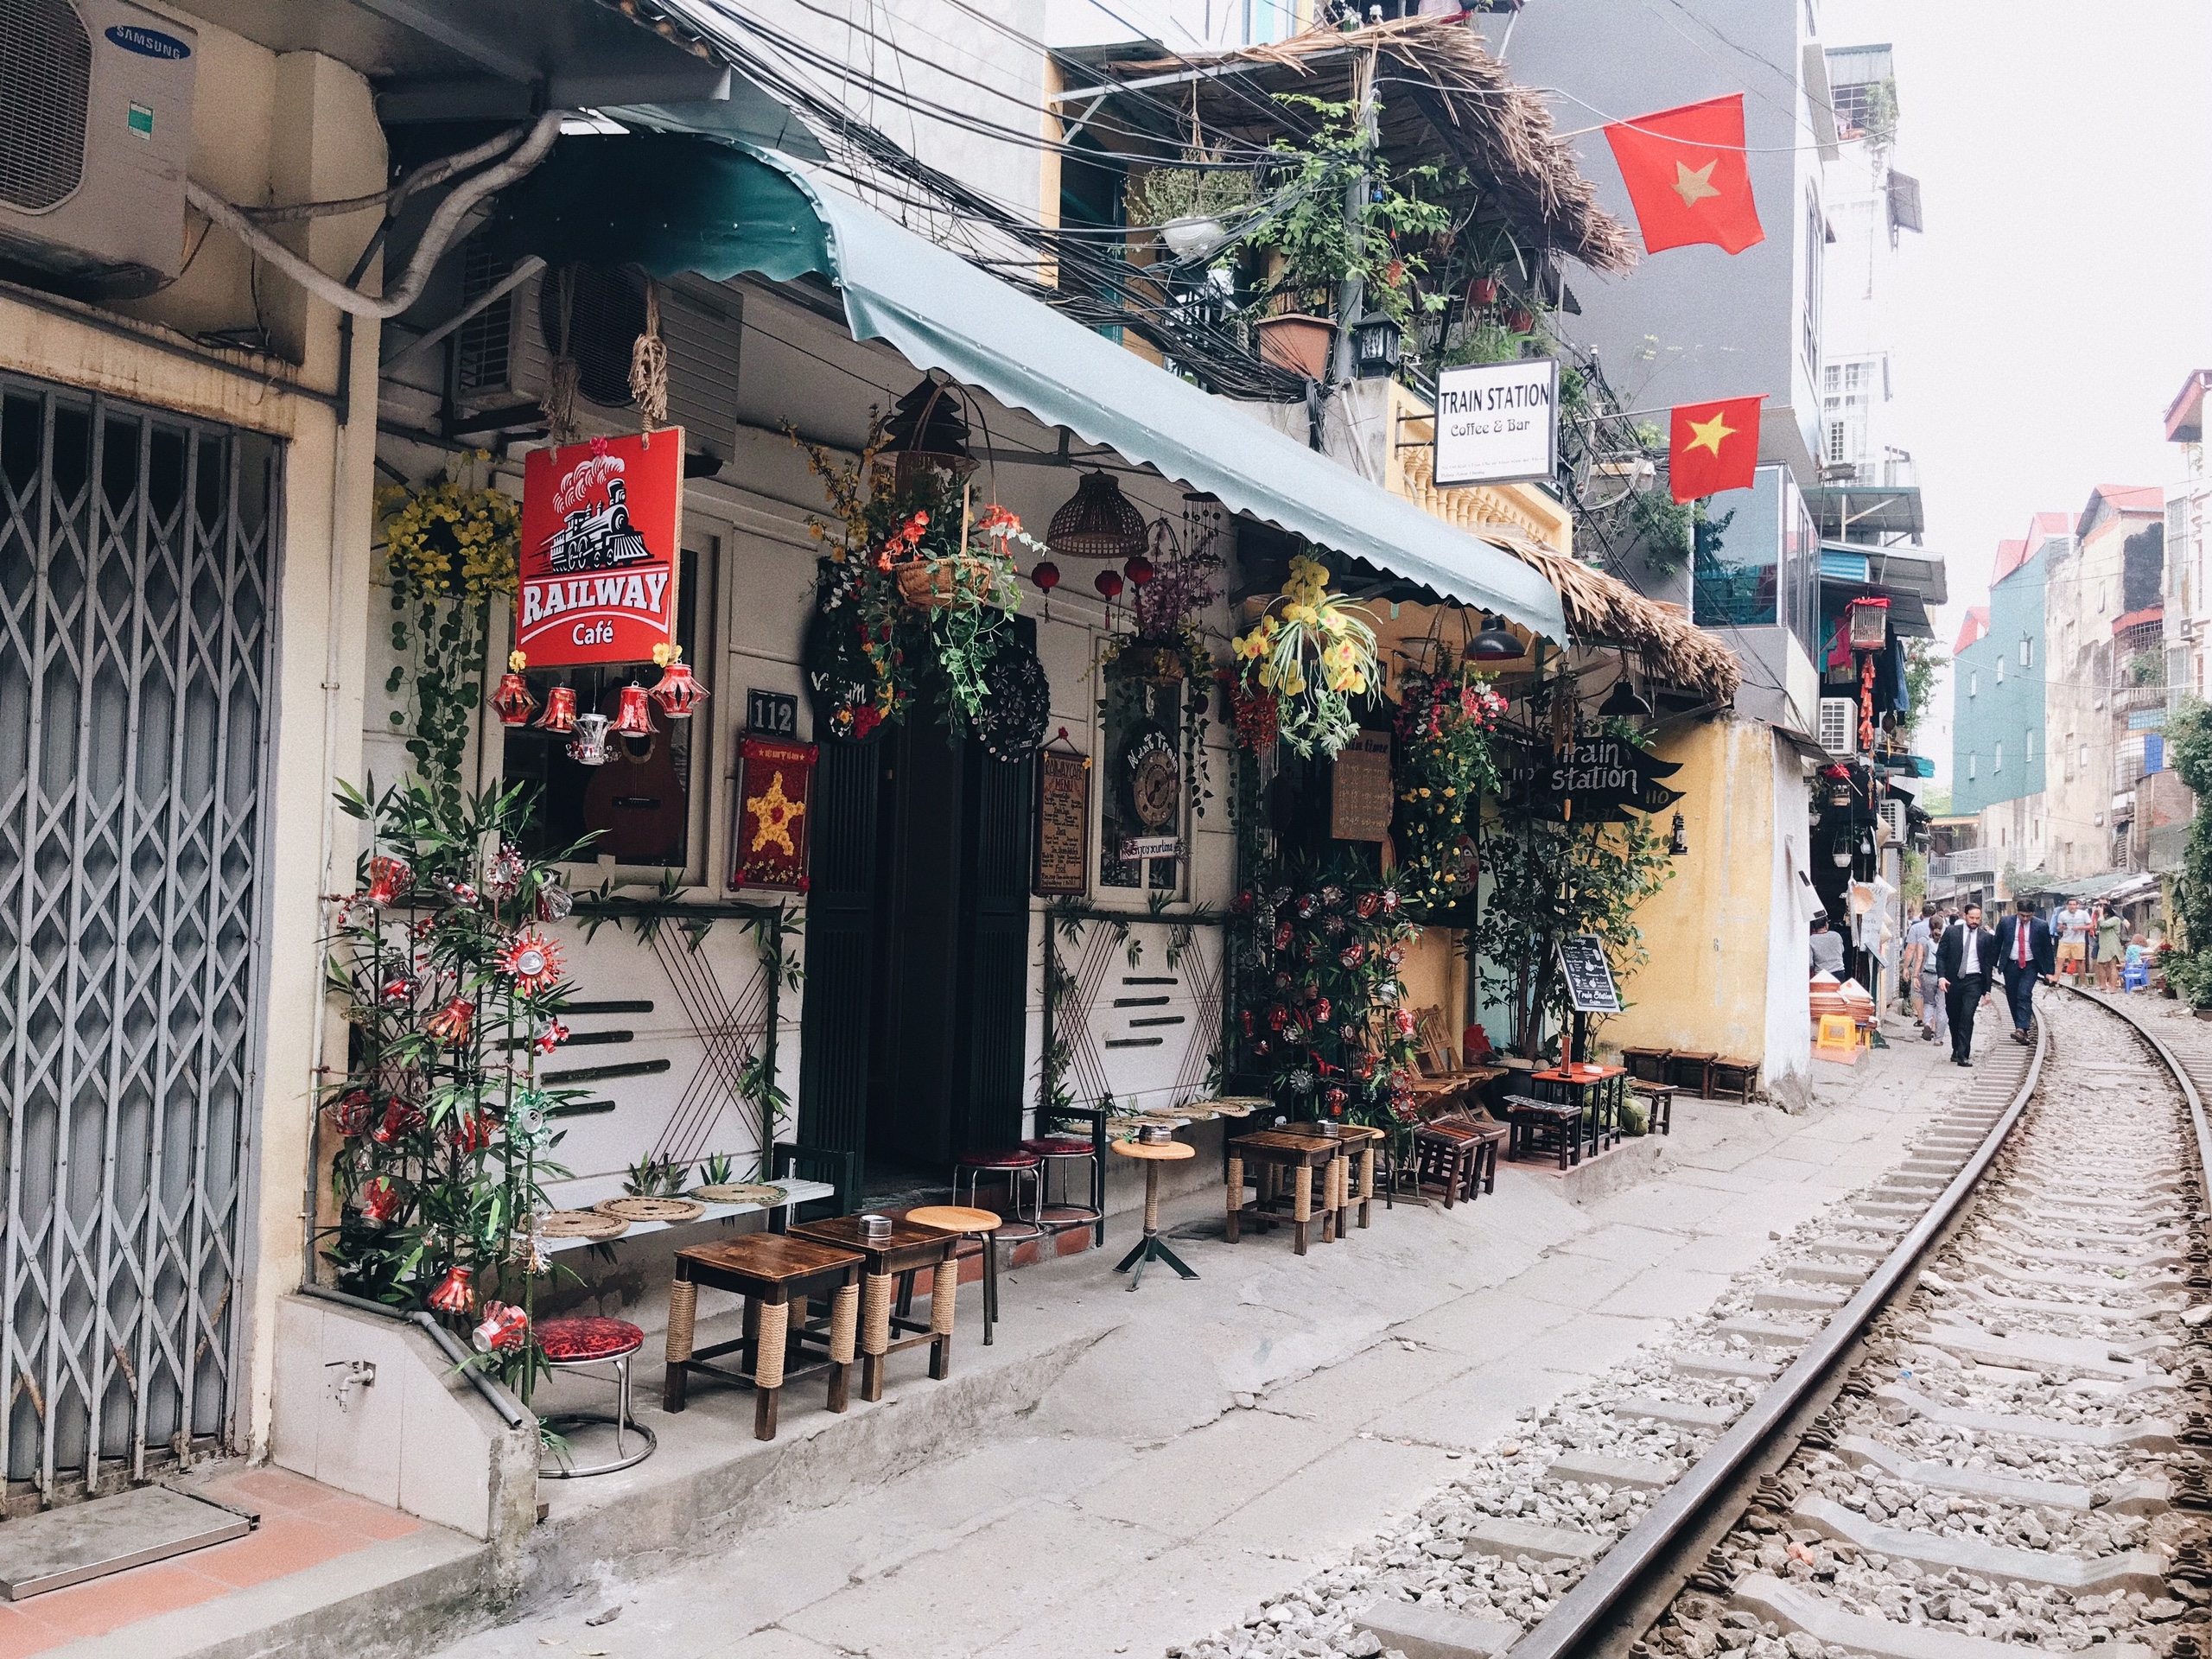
1519,322
1298,342
1482,290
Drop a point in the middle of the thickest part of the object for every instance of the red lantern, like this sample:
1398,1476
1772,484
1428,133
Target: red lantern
1139,569
350,1115
454,1294
513,700
679,693
1046,575
1109,584
400,1118
449,1025
504,1326
635,717
380,1199
560,714
1483,291
388,879
471,1132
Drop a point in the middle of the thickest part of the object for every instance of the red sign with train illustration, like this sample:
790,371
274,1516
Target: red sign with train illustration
601,524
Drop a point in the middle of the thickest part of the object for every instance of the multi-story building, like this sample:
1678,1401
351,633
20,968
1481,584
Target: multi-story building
2000,731
2188,524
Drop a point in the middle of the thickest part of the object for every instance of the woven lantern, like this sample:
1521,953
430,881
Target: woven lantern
1099,521
928,430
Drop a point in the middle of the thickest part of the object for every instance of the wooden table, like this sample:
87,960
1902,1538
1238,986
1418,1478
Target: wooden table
898,1258
1148,1249
769,1270
1277,1149
1349,1138
1597,1089
960,1221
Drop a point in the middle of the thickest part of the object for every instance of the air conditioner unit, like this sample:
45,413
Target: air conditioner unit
95,132
1838,732
1893,825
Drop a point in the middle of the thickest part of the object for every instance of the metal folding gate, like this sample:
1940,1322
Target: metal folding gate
137,553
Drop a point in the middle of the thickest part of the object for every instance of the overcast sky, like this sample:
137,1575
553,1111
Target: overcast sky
2063,287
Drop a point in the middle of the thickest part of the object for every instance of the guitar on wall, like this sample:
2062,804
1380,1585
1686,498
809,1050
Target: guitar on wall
637,801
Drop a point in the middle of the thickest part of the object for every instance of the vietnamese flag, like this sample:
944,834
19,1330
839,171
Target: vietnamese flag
1686,176
1714,446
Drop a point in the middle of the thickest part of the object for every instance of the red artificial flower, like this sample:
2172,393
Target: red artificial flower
551,1038
449,1025
454,1294
532,961
380,1199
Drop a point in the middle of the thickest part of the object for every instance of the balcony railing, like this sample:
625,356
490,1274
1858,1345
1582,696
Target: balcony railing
1968,860
2128,699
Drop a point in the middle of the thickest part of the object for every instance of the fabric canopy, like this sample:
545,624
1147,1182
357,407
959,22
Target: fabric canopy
675,203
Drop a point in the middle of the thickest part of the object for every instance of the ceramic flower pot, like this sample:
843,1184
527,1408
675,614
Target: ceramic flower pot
1298,342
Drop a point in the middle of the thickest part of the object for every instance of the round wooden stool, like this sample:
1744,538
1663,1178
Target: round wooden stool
1149,1248
985,1225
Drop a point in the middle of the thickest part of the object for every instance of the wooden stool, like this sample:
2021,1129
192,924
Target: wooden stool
1355,1144
1689,1069
1647,1064
1148,1249
982,1226
1659,1105
1738,1077
1274,1150
905,1252
769,1270
1542,1125
1458,1153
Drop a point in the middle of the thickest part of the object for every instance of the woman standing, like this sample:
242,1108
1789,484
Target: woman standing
2111,948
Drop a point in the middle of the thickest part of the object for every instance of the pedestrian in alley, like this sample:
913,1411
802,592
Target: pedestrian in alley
1962,971
1919,963
2111,948
2025,953
1929,1001
2073,924
1827,946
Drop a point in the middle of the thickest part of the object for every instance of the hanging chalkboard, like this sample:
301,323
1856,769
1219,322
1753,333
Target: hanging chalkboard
1063,859
1589,987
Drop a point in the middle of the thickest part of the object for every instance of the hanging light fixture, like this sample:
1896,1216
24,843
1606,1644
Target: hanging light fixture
1376,343
1096,522
1495,644
1678,844
1623,702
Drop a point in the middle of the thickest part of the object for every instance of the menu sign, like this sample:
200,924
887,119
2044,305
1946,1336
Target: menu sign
1359,792
601,523
1062,825
1589,987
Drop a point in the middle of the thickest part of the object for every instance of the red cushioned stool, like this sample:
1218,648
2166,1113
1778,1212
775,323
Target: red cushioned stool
571,1343
1065,1150
1016,1166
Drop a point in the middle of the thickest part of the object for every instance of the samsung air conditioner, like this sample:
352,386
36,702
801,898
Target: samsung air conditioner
1838,732
95,133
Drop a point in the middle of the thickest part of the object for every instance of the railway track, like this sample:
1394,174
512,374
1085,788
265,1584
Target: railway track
1957,1416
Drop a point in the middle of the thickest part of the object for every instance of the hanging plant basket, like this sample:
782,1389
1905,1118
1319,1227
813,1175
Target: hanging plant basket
1155,662
954,584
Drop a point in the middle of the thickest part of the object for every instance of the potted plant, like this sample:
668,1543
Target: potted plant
1173,586
1310,653
1448,713
1190,204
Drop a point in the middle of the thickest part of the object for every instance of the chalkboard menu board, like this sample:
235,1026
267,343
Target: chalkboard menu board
1589,987
1359,795
1062,825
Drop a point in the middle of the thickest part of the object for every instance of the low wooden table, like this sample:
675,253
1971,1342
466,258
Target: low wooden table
1152,1154
1597,1089
1350,1139
1534,1122
769,1270
908,1250
962,1221
1278,1149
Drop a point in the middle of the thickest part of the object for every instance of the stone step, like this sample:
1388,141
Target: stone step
1819,1273
1683,1414
1791,1607
1763,1335
1974,1482
1498,1534
1591,1469
1724,1366
1808,1300
2033,1350
2147,1435
2132,1569
1422,1631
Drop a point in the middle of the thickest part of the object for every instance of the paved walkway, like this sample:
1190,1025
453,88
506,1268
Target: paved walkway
1219,1441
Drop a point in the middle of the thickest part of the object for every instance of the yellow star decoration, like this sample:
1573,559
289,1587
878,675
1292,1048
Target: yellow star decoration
775,812
1707,434
1693,187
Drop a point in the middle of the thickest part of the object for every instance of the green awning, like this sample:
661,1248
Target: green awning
675,203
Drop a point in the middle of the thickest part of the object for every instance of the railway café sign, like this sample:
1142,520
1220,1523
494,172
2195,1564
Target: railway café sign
1497,423
601,523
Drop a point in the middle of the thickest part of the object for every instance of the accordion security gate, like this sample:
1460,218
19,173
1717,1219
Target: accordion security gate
138,562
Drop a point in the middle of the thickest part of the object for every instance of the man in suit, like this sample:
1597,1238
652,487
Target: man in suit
2026,952
1963,964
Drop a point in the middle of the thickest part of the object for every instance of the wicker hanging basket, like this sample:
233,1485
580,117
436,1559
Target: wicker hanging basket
942,584
1151,662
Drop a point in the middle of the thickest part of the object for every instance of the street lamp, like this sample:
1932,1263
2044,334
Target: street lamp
1375,344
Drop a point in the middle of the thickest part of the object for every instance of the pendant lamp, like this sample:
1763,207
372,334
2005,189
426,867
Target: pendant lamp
1097,521
928,429
1495,644
1623,703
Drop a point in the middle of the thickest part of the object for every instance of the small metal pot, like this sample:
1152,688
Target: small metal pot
1155,1134
875,1230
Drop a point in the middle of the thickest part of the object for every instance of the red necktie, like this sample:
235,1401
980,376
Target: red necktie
2020,928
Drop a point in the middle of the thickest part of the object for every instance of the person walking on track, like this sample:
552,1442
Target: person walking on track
1917,971
2112,947
2025,953
2073,924
1962,969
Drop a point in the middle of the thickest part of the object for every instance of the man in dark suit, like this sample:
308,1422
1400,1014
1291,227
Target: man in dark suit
1963,964
2026,952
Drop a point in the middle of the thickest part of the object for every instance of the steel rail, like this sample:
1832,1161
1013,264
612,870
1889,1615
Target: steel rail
1581,1622
2180,1074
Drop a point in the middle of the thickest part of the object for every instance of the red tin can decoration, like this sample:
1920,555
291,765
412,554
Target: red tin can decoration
513,699
471,1133
352,1114
381,1199
550,1038
388,879
449,1025
400,1117
635,717
679,692
532,961
560,715
454,1294
505,1325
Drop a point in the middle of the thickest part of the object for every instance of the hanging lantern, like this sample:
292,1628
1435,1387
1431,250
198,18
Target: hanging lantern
388,879
1046,575
380,1199
1097,521
679,692
554,900
1108,583
400,1118
352,1113
1139,570
1495,644
560,714
504,1326
513,699
454,1294
927,431
1377,345
532,961
449,1025
589,748
635,717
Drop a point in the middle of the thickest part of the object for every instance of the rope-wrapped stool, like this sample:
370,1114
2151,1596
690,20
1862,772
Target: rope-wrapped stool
892,1249
775,1273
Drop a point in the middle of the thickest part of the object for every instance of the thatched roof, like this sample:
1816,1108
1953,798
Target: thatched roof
1601,610
1443,98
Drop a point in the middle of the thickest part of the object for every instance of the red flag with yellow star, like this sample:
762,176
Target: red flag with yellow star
1686,176
1714,446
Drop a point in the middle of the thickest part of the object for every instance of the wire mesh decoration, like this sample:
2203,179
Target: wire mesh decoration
137,552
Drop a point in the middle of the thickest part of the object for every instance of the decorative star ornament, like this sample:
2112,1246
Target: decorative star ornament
774,812
1695,185
1707,434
